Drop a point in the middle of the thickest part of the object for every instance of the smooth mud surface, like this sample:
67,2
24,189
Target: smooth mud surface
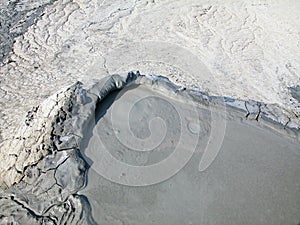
254,178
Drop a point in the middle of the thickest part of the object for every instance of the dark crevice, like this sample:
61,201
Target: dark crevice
285,125
248,113
259,111
29,210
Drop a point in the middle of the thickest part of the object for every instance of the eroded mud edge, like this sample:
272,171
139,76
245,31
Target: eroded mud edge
42,169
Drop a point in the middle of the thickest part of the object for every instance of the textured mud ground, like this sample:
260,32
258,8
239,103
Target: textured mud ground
15,17
44,174
250,47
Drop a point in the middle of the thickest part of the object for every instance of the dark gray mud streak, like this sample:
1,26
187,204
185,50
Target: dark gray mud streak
15,18
295,92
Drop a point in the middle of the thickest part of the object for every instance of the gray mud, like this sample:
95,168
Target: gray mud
295,92
51,171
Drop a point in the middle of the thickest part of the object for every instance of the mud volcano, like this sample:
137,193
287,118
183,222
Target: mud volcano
135,149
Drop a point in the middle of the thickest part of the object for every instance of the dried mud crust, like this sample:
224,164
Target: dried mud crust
15,17
252,48
42,168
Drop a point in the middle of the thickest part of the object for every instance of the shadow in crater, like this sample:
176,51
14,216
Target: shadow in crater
100,111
